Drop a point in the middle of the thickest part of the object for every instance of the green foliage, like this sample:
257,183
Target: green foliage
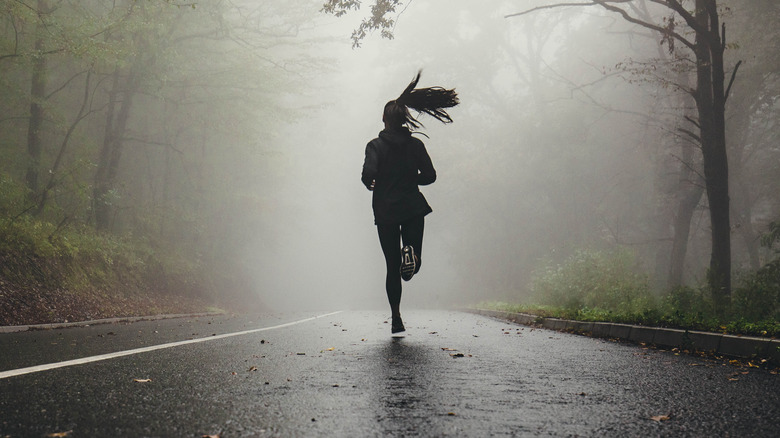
598,286
758,295
689,308
592,279
77,259
12,196
773,236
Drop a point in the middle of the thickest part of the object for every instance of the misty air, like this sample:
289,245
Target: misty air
389,218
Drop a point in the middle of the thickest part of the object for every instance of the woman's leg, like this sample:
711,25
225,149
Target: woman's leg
390,239
412,233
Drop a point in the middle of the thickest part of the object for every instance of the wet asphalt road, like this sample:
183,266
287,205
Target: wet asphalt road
454,374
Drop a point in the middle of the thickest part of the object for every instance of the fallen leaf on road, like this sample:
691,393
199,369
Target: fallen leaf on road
142,380
660,418
330,349
451,414
252,369
457,354
59,434
448,349
209,436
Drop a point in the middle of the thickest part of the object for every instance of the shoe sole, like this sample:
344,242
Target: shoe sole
408,263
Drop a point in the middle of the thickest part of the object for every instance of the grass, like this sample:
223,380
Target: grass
51,274
609,287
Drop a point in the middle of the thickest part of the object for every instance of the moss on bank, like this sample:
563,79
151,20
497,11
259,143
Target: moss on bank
55,275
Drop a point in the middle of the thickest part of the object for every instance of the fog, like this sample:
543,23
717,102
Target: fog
246,126
502,165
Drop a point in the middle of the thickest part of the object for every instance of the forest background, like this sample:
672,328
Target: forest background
172,156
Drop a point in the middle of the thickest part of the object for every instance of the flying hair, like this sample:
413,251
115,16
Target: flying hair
432,101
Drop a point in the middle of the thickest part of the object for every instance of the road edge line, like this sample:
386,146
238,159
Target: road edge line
128,319
107,356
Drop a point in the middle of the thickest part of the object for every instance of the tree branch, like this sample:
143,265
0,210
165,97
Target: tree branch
557,5
690,134
606,4
695,123
153,143
609,5
731,82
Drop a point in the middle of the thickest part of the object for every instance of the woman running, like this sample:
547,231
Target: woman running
396,164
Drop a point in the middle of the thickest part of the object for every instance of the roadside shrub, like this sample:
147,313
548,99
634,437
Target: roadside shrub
595,280
688,300
608,286
688,307
757,297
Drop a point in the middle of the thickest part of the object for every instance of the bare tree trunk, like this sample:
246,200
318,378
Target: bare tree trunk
742,202
690,194
63,146
744,214
711,103
37,98
111,151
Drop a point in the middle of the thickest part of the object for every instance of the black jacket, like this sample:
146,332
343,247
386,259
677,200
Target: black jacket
398,163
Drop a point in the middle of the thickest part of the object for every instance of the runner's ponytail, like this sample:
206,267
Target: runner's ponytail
432,101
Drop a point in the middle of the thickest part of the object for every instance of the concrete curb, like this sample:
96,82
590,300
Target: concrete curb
60,325
745,347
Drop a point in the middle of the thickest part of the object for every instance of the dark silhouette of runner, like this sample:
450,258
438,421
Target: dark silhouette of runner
396,164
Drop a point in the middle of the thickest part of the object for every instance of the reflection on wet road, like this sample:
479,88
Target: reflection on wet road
454,374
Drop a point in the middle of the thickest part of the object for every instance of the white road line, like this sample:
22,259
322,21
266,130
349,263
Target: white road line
68,363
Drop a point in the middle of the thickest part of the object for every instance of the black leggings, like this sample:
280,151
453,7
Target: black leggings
390,237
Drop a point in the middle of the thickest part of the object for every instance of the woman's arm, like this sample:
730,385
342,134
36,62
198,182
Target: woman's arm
427,173
370,166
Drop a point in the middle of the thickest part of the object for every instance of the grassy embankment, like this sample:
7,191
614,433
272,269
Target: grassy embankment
69,272
73,273
596,286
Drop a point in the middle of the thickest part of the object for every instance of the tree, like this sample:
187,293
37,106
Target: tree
752,129
707,42
710,95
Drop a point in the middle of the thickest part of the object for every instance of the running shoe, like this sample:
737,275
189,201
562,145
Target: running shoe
408,263
398,325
